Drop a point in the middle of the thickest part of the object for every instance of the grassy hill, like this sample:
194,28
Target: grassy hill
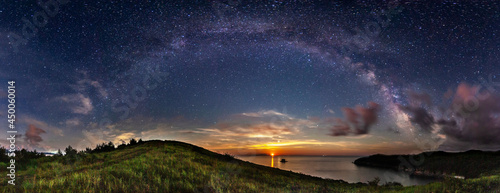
170,166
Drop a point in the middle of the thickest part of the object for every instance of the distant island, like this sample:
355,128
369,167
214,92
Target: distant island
172,166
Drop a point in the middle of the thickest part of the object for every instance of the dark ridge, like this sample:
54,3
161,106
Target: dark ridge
469,164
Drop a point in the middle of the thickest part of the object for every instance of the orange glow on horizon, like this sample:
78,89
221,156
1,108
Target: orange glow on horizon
347,147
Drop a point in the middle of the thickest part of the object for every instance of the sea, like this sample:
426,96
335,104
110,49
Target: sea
338,168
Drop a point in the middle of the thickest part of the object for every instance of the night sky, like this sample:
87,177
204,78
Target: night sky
245,77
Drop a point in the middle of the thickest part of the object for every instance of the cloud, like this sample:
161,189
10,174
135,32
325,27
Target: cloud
358,121
368,115
341,128
33,139
233,131
147,128
86,84
49,128
417,99
351,115
415,109
262,124
124,137
78,103
266,113
452,144
32,135
240,131
420,117
264,130
72,122
473,116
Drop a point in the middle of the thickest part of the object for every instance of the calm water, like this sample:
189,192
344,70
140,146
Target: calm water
336,168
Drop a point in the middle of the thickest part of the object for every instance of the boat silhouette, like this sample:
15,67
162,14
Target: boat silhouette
283,160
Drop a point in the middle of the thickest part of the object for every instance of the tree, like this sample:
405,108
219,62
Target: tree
121,146
140,141
59,153
70,152
133,141
3,155
110,146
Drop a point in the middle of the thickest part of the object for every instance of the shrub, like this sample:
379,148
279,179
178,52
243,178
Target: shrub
374,182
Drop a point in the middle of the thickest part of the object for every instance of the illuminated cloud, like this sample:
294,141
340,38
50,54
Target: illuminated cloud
341,128
32,135
124,137
265,130
351,115
51,129
471,119
292,143
262,124
474,116
267,113
357,121
368,116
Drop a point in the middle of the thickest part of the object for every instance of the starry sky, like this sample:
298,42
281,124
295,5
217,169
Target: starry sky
248,77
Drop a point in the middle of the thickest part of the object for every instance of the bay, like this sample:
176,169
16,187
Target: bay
337,167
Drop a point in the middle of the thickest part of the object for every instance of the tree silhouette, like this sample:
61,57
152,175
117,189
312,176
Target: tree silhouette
70,152
133,141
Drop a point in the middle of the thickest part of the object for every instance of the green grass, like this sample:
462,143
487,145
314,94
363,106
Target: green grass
170,166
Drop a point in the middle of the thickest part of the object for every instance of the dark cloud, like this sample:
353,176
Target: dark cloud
341,128
32,135
358,121
368,115
420,117
351,115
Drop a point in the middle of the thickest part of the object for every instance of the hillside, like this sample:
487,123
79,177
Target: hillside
170,166
470,164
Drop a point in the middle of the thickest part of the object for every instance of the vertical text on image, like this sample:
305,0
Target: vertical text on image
11,132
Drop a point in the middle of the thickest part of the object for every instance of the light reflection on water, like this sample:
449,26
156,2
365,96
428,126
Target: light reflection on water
336,168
